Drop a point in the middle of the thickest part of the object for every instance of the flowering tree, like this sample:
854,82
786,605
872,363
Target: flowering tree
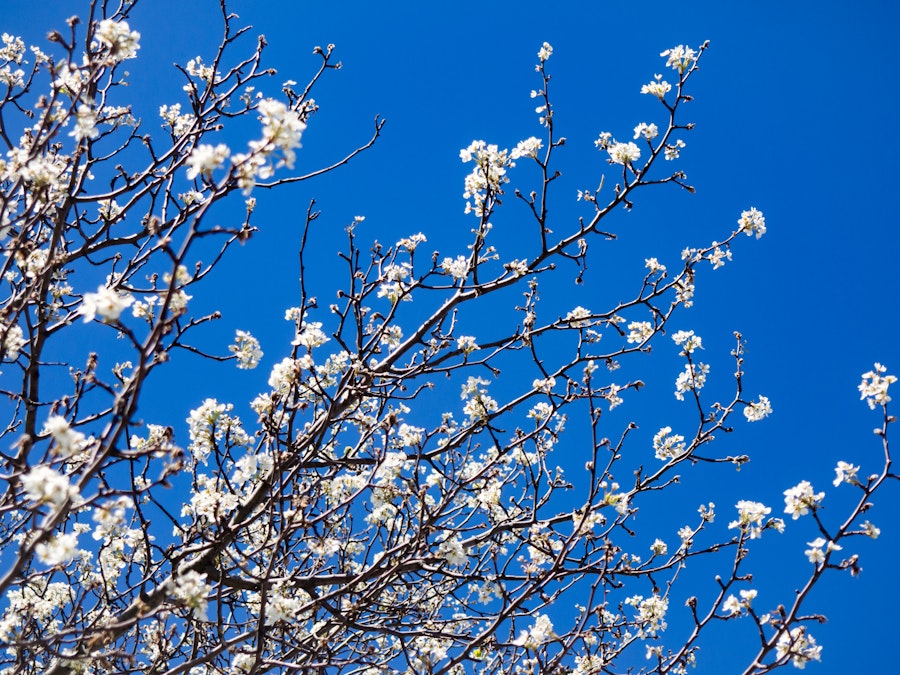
397,505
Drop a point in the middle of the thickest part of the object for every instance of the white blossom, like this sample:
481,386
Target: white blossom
679,58
659,88
206,158
750,518
673,150
667,445
527,148
734,606
545,52
755,411
409,435
118,38
639,331
466,343
718,256
411,243
624,153
246,350
85,124
67,441
282,129
577,317
647,131
458,267
816,554
13,48
107,304
540,633
691,379
688,342
654,266
798,646
874,386
192,591
488,175
310,335
870,530
13,341
752,222
45,486
651,612
58,550
799,499
452,551
173,119
846,473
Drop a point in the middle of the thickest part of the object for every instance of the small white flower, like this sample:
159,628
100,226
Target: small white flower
647,131
58,550
799,499
667,445
106,303
206,158
452,551
752,222
750,518
13,341
679,58
121,41
246,350
874,386
654,266
527,148
870,530
540,633
673,151
659,88
692,378
85,124
68,442
800,647
545,52
688,342
755,411
191,590
639,331
45,486
624,153
576,318
846,473
410,243
457,268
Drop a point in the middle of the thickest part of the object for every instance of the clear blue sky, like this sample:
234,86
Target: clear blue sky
795,108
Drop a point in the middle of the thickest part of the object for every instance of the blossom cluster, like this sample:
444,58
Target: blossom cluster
107,304
751,517
692,378
118,39
478,404
755,411
752,222
798,646
485,183
282,128
800,499
874,386
667,445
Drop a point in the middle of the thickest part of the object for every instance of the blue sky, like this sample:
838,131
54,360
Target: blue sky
794,110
